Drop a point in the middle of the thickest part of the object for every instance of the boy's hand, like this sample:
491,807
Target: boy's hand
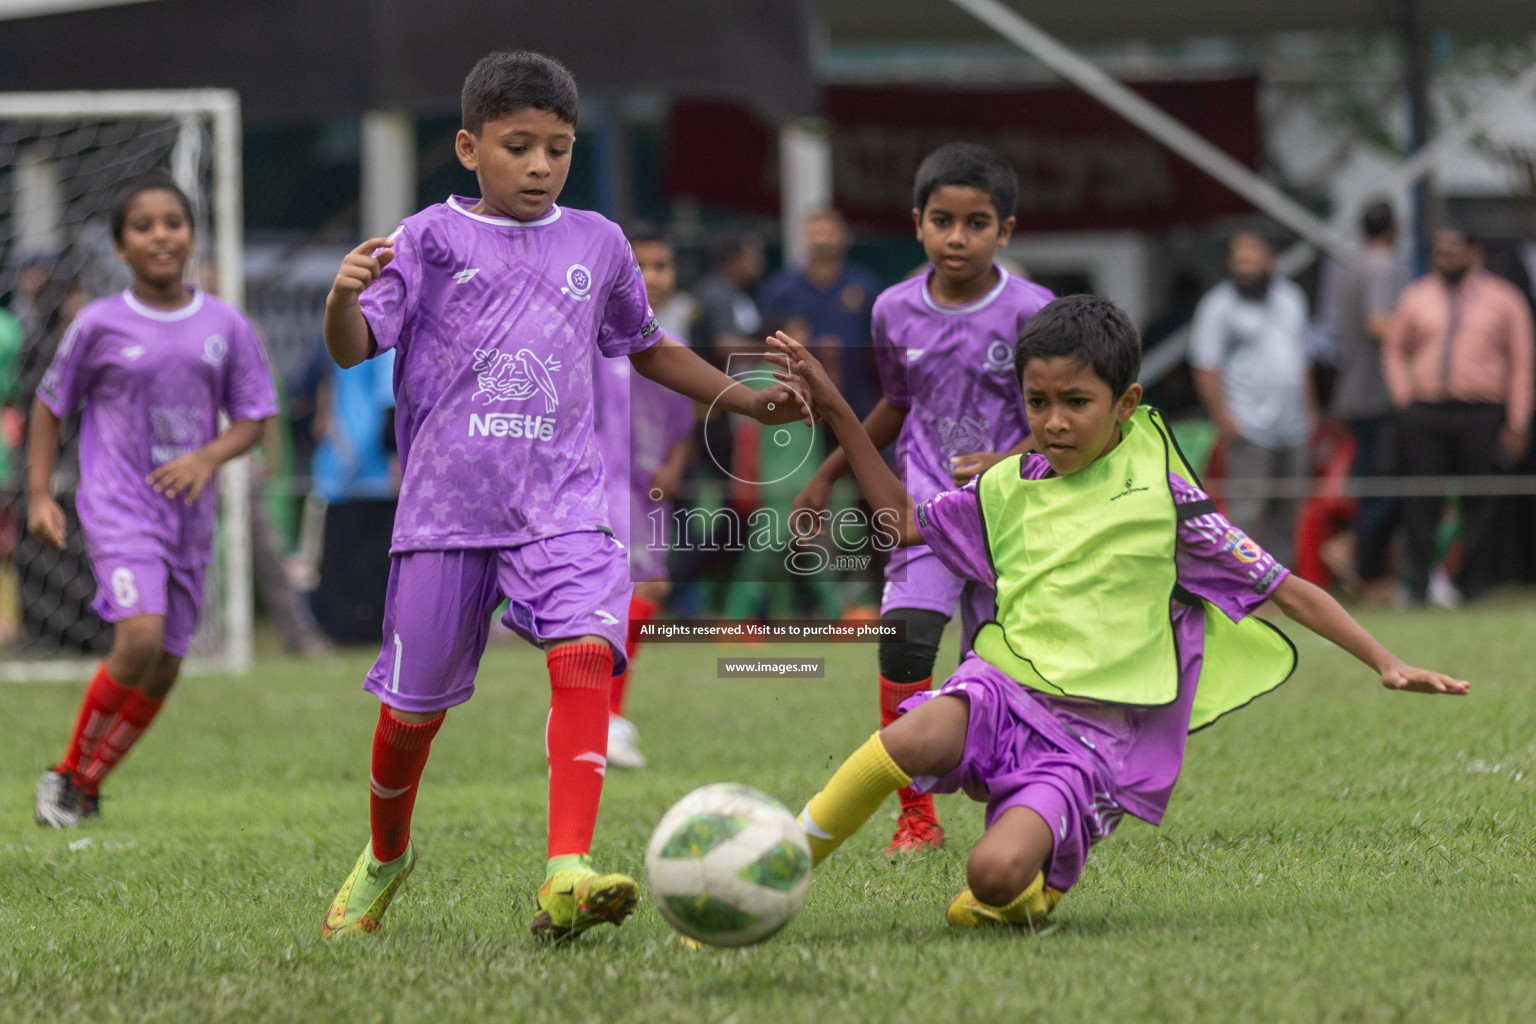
361,268
807,370
780,403
190,473
1421,680
963,467
45,520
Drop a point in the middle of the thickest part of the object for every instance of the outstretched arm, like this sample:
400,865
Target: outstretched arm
882,425
881,488
678,367
1314,608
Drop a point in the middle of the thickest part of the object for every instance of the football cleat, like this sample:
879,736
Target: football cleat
58,801
1029,908
360,903
624,743
917,829
575,899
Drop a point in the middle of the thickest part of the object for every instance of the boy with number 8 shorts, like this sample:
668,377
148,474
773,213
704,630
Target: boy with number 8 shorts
1123,622
494,308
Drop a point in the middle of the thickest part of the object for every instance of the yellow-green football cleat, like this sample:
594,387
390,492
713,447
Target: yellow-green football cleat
575,899
360,904
1030,908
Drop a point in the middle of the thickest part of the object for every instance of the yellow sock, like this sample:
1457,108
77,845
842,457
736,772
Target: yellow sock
850,797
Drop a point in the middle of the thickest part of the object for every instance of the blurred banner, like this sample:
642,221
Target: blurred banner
1081,167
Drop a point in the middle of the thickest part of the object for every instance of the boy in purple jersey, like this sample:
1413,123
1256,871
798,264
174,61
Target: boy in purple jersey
944,349
495,308
150,369
644,432
1057,772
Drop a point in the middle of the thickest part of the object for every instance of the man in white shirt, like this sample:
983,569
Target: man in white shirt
1248,349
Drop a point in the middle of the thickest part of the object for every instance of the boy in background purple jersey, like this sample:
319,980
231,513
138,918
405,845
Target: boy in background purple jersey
1055,772
644,432
944,349
150,369
495,309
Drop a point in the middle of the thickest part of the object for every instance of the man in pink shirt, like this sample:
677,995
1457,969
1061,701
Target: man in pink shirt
1458,361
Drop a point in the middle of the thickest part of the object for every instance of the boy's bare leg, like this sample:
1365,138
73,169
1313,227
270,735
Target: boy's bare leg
1006,875
1009,856
929,739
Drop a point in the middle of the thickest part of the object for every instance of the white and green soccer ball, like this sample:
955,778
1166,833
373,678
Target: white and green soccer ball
728,865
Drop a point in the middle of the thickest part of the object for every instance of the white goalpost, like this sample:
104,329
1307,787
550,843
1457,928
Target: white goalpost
62,157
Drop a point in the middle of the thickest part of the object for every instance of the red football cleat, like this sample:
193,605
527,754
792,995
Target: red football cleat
917,828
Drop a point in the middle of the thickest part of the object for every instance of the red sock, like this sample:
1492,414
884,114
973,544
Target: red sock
891,696
103,699
576,742
640,611
131,722
400,752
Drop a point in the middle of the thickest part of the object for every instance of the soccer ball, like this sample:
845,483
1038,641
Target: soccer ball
728,865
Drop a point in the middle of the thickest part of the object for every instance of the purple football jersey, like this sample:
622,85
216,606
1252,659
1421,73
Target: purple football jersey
1143,747
494,322
951,368
150,384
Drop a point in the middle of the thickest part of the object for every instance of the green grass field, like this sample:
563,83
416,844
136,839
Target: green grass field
1333,853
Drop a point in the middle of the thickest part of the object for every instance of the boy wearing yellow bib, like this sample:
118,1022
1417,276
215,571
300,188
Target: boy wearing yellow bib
1122,622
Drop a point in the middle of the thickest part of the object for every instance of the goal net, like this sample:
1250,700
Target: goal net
62,158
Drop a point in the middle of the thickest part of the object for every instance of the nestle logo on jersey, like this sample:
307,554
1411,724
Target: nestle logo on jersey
512,424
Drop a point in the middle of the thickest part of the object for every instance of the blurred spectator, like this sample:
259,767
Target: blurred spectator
11,430
677,311
1248,349
288,608
727,324
351,510
1368,292
763,585
728,320
1174,393
11,336
282,601
834,298
1458,360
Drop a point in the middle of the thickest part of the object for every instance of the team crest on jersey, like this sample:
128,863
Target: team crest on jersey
504,378
125,591
578,283
215,348
999,356
1240,546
